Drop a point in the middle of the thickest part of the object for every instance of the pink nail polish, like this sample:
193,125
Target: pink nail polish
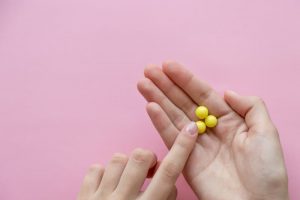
191,128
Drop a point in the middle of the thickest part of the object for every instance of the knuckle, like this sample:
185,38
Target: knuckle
179,120
258,100
142,155
145,85
148,85
147,68
154,110
206,94
171,171
119,158
187,105
95,168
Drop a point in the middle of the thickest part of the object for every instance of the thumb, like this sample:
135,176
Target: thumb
251,108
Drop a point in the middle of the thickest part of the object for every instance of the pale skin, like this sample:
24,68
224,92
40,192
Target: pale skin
241,158
124,176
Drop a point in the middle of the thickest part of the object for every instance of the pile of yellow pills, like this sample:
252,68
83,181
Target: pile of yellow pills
209,120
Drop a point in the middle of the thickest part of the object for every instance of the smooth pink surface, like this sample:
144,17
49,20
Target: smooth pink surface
68,73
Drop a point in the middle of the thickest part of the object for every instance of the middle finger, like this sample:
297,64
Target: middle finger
171,90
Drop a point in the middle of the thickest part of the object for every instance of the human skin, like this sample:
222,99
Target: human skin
241,158
123,177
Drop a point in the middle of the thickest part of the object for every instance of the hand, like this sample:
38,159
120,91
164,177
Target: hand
123,178
241,158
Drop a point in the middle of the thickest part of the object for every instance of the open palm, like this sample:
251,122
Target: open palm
241,158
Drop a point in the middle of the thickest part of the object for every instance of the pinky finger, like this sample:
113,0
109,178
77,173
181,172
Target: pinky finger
91,181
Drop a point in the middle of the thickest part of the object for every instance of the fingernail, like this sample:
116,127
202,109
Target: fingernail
191,128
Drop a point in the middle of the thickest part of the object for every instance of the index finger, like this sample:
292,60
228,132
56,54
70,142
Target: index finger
173,164
197,89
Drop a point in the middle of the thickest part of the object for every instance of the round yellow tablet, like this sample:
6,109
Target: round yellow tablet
201,127
201,112
211,121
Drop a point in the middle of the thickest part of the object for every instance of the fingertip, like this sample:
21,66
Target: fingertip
119,158
168,62
191,129
150,69
153,108
230,93
177,73
95,168
142,155
187,137
168,65
144,85
140,84
152,105
232,98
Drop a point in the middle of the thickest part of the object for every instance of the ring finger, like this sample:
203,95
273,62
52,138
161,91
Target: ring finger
152,94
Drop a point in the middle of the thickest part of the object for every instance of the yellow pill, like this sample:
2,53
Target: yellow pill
211,121
201,112
201,127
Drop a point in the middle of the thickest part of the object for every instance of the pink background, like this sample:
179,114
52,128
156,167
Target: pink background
68,73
